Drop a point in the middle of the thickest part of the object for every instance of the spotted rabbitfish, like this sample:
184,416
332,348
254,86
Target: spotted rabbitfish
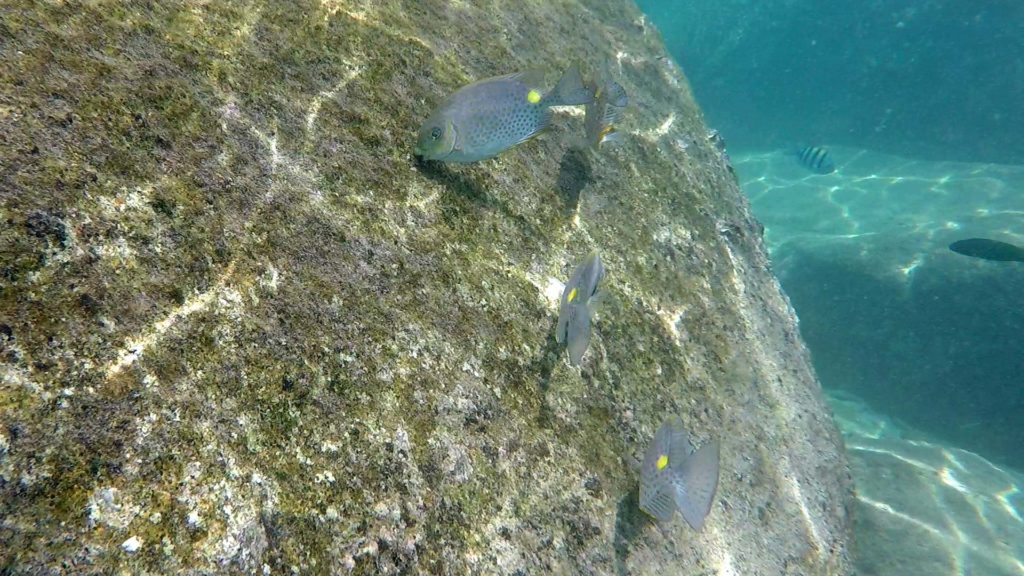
577,305
816,159
674,476
485,118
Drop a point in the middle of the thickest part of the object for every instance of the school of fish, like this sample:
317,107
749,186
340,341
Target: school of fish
488,117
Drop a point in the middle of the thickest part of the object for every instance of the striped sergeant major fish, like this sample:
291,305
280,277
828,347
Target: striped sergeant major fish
816,159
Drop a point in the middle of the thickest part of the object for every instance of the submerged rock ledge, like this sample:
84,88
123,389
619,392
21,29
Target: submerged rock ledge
241,330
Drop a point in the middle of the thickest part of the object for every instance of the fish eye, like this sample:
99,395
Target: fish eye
435,133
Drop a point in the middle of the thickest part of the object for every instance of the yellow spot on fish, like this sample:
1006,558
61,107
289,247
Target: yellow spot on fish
662,462
572,295
533,96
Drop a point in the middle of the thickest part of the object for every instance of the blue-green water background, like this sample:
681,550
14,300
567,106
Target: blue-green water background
920,103
935,80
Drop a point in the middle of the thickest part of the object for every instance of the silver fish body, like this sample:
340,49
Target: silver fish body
674,476
485,118
576,309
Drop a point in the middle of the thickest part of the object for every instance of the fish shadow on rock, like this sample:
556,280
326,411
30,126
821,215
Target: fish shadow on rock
466,195
454,181
549,358
630,522
574,173
545,364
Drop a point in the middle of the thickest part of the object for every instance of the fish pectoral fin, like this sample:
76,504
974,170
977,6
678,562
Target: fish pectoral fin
532,78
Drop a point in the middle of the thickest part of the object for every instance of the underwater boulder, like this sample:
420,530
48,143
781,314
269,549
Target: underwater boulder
242,329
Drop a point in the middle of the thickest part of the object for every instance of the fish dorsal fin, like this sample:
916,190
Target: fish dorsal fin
679,446
533,78
696,481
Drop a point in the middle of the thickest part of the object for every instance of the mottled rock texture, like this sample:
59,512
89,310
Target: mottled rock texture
243,330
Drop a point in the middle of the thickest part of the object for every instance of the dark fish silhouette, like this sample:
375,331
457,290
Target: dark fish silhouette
988,250
816,159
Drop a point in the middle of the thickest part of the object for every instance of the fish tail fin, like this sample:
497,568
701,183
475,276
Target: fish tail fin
696,482
578,334
571,89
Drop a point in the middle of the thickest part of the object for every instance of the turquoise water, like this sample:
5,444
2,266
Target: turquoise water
925,508
927,79
920,347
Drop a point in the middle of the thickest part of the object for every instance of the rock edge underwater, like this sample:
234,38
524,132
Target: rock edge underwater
242,330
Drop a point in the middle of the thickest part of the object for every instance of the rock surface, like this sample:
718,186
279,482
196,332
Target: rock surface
924,507
242,330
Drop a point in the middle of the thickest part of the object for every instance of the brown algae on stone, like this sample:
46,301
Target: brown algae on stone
329,357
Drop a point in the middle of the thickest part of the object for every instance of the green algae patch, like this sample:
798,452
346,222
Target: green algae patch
243,329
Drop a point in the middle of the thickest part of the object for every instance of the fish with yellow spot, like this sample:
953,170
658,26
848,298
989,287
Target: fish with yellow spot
485,118
674,476
577,307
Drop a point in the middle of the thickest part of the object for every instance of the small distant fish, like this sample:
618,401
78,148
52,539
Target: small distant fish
604,112
816,159
988,250
716,138
576,309
674,476
485,118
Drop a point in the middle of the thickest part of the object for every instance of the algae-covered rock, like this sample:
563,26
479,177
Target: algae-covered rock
243,330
